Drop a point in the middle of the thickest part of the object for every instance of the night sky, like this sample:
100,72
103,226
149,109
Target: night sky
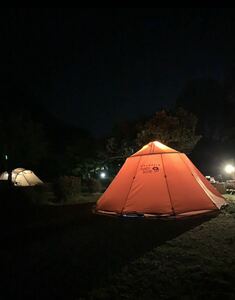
94,67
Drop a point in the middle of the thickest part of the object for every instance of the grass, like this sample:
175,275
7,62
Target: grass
199,264
69,253
89,198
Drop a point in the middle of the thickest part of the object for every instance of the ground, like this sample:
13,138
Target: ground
66,252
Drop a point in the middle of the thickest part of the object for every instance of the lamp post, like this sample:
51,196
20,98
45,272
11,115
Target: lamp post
9,178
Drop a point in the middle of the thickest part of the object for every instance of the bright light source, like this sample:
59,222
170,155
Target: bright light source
229,169
102,175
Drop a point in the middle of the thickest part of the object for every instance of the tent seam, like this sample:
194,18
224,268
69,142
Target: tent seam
133,155
173,210
131,185
25,179
191,171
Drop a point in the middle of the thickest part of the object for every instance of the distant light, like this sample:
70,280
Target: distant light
210,178
6,157
229,169
102,175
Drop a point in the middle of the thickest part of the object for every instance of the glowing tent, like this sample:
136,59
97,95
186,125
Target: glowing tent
159,181
22,177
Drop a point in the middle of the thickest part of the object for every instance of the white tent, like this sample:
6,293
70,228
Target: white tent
22,177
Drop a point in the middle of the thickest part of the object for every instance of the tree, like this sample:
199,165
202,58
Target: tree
177,130
22,140
119,148
122,141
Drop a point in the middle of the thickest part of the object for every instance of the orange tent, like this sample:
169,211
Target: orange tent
159,181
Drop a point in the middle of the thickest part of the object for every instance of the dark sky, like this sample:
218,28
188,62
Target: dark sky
94,67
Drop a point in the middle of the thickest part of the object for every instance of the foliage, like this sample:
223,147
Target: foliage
87,168
20,197
176,130
23,140
67,188
38,194
121,148
91,185
75,149
122,141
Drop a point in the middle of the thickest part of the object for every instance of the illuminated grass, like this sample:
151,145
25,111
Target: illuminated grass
199,264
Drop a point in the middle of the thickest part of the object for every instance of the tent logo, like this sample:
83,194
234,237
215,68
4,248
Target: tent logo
149,168
155,169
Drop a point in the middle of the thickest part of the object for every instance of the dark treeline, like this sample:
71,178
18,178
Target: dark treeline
34,138
200,124
213,102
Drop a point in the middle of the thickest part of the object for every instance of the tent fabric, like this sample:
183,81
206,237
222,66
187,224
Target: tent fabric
159,181
22,177
154,148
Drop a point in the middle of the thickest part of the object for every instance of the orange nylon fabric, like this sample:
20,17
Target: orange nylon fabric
116,194
160,181
184,189
149,184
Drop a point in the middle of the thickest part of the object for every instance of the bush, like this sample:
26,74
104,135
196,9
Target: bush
106,183
230,208
38,194
20,196
67,188
220,186
91,185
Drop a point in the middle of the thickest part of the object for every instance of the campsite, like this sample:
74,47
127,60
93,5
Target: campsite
67,252
117,153
72,251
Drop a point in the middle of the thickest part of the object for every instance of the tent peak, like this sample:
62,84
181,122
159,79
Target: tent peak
154,147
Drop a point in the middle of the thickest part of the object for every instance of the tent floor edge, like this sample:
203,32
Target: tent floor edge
193,214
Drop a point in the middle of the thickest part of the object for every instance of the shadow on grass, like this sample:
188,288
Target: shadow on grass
67,259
